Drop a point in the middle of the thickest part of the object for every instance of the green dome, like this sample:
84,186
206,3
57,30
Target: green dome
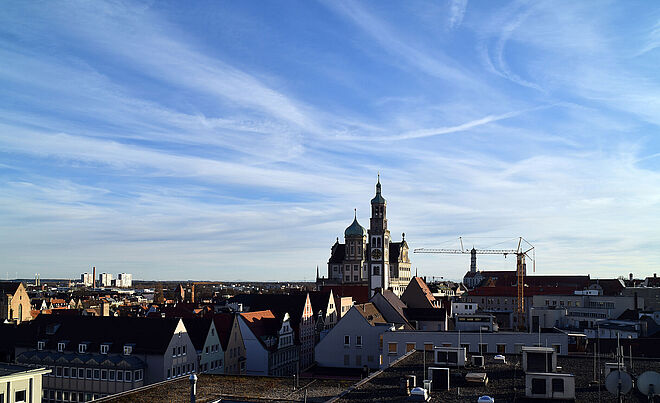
355,229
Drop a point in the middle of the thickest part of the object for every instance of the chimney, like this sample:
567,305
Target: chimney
655,275
94,277
192,294
630,276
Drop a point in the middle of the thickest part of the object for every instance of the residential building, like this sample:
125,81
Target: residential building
124,280
21,383
232,345
92,356
427,318
355,341
205,338
105,279
418,295
369,257
269,344
392,309
87,279
15,305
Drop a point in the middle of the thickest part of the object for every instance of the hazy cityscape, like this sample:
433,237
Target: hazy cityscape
332,201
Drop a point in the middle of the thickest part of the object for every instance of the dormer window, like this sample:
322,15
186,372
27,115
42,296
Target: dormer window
82,348
41,345
105,348
60,346
128,350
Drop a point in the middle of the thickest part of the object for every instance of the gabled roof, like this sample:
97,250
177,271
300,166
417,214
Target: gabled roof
263,324
148,335
370,313
278,304
393,300
223,325
359,293
9,287
610,286
319,301
198,329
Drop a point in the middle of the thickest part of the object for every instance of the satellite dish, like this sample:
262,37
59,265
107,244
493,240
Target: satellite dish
649,383
618,382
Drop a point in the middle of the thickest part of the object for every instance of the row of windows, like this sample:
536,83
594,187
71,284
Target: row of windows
347,341
180,370
214,348
357,358
82,347
56,396
500,348
178,351
95,374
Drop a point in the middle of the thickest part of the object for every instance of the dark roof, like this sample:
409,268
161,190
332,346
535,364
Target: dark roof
198,329
355,229
223,325
370,313
9,287
359,293
319,301
263,324
610,286
338,253
278,304
395,301
417,314
148,335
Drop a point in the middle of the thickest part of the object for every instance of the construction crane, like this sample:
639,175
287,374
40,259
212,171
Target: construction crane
522,251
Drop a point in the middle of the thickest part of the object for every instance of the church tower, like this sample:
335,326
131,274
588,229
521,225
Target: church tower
379,243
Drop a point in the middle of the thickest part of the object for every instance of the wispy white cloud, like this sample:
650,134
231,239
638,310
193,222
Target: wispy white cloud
456,12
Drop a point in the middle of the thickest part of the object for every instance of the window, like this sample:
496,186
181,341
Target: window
82,348
557,385
557,348
120,376
538,386
169,373
178,350
358,360
347,359
207,349
173,351
501,348
58,372
128,350
81,373
358,341
19,396
89,374
111,375
40,346
410,347
483,348
391,348
428,346
97,374
60,347
65,372
347,341
127,376
138,375
104,348
184,350
104,374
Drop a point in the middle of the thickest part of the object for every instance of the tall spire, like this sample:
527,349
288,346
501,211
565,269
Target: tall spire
378,199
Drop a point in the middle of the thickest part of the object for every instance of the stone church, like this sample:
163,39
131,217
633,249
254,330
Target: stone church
369,257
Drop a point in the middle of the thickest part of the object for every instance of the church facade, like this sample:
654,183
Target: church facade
369,257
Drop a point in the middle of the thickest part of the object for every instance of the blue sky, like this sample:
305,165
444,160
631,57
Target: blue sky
232,140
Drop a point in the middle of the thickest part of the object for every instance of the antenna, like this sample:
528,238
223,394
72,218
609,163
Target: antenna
618,383
648,383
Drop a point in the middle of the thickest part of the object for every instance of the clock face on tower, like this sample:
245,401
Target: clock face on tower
376,254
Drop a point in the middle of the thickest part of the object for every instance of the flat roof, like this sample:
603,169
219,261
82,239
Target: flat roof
7,369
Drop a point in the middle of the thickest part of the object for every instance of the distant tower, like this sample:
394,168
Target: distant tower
379,242
473,260
355,238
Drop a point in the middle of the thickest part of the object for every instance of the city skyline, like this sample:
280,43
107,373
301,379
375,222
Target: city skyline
233,141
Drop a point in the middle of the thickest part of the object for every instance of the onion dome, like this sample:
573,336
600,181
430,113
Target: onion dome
355,229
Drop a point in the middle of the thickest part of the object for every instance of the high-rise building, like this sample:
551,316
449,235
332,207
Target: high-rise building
369,257
87,279
124,280
105,279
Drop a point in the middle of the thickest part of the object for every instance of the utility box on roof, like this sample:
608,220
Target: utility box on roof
539,359
450,356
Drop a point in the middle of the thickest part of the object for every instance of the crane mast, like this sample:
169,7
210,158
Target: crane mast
521,270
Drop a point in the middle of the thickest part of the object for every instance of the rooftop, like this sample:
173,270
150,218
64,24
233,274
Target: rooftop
234,388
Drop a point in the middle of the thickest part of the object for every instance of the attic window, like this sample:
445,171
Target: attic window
60,347
104,348
82,348
128,350
41,345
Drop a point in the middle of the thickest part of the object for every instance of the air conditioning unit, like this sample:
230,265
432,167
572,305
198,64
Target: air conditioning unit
613,366
549,386
539,359
439,377
450,356
478,361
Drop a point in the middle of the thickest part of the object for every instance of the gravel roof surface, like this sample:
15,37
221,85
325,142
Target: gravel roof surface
235,388
506,381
